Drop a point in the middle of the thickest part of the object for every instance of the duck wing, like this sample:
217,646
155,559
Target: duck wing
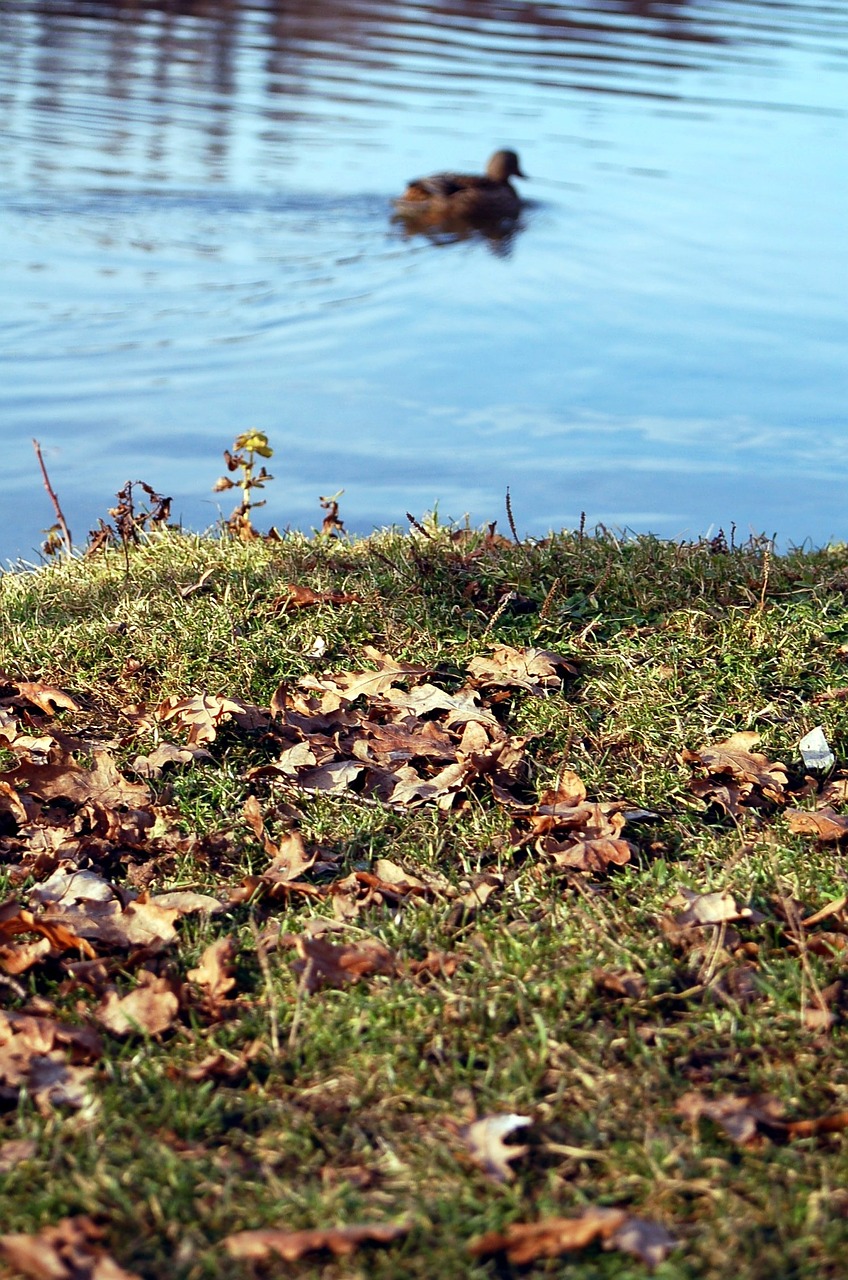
441,186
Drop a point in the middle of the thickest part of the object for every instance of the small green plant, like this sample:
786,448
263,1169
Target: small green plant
247,447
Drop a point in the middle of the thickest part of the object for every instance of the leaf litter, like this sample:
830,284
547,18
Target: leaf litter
387,734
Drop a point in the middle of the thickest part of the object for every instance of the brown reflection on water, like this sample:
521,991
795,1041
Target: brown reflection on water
122,78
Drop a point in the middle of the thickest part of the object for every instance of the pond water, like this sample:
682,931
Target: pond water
196,238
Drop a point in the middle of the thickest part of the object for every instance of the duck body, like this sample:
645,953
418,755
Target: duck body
462,198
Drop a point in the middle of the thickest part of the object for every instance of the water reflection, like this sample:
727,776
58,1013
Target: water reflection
196,237
182,79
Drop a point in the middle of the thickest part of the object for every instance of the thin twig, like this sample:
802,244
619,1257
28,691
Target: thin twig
60,516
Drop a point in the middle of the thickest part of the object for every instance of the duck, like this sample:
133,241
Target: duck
446,199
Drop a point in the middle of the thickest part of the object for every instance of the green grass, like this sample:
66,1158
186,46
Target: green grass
350,1108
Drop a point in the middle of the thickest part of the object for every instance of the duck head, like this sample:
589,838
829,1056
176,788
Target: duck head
504,165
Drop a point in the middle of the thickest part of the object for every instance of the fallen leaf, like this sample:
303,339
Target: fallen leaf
835,907
148,1010
34,1055
323,964
742,1118
537,670
14,1151
70,1250
525,1242
10,802
167,753
485,1140
645,1240
202,714
43,696
62,778
754,774
825,824
214,973
345,688
834,1123
299,597
254,1246
710,908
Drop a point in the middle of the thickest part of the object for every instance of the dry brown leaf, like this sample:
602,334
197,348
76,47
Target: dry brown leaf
34,1055
202,714
148,1010
167,753
323,964
436,964
623,985
535,669
142,923
333,779
70,1250
62,778
214,973
825,824
254,1246
43,696
344,688
836,907
298,597
14,1151
751,770
524,1242
648,1241
224,1065
482,888
11,803
743,1118
428,699
710,908
834,1123
14,920
569,792
485,1140
594,856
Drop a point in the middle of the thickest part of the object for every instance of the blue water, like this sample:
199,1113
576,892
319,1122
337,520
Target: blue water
195,238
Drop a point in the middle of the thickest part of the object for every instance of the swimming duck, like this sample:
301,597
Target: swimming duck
463,198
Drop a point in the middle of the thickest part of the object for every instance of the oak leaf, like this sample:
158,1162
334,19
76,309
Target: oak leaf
525,1242
742,1118
62,778
750,771
293,1245
825,824
43,696
537,670
11,803
300,597
214,973
485,1140
711,908
202,714
70,1250
14,1151
323,964
34,1054
148,1010
167,753
344,688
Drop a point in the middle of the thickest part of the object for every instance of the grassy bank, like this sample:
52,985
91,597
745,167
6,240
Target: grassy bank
420,895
